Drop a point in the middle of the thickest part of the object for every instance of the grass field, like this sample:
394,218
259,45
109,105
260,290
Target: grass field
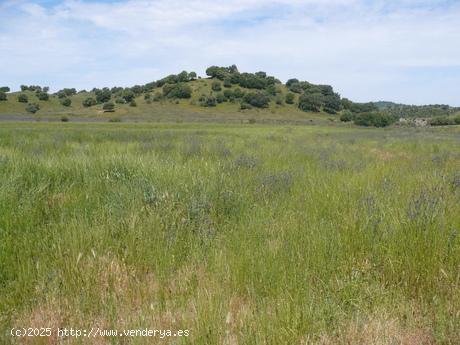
241,234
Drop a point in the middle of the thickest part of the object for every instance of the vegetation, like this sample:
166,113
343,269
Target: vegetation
23,98
241,234
33,107
3,96
89,102
66,102
109,107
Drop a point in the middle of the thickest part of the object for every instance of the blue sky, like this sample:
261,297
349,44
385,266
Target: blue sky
405,51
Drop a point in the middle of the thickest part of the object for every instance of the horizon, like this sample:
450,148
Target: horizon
87,44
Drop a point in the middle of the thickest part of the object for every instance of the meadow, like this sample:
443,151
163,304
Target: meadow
241,234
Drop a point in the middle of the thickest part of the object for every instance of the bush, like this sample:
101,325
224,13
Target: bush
3,96
346,116
66,102
115,119
179,90
108,107
120,100
220,98
43,96
157,96
442,121
457,120
89,102
257,99
32,108
310,102
4,89
208,101
216,86
332,103
227,82
103,95
64,118
373,119
290,97
22,98
133,103
245,106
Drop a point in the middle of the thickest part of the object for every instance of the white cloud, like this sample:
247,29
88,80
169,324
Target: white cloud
368,50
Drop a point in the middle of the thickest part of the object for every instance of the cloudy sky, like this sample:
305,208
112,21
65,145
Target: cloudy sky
400,50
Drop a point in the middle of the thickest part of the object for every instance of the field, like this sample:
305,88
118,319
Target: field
241,234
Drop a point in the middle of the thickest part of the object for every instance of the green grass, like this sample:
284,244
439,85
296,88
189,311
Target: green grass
243,234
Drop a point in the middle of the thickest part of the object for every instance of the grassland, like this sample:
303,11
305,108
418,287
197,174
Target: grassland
243,234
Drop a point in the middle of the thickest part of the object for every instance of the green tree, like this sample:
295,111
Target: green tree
3,96
310,102
23,98
89,102
32,108
103,95
257,99
290,97
216,86
43,96
66,102
108,107
192,75
4,89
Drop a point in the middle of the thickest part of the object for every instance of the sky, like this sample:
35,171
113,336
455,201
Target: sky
404,51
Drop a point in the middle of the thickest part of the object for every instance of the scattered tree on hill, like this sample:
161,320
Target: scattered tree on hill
290,97
257,99
43,96
375,119
66,92
347,116
192,76
310,102
66,102
108,107
180,90
23,98
3,96
128,95
4,89
89,102
133,103
32,108
103,95
208,101
216,86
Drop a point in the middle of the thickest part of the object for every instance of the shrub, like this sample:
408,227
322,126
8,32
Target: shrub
4,89
108,107
120,100
43,96
66,102
115,119
103,95
374,119
208,101
89,102
147,96
22,98
220,98
442,121
290,97
310,102
133,103
346,116
179,90
157,96
64,118
245,106
3,96
257,99
252,121
32,108
332,103
457,120
216,86
227,82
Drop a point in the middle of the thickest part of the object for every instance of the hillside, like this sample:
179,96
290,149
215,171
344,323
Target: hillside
225,95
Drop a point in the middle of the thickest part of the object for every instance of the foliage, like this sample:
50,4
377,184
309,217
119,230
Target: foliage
67,92
43,96
346,116
23,98
290,98
109,107
4,89
66,102
208,101
310,102
257,99
32,108
216,86
375,119
3,96
103,95
89,102
180,90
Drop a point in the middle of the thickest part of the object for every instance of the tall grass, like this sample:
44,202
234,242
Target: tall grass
241,234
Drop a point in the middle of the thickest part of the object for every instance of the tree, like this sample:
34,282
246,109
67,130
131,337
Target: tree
183,77
290,97
180,90
89,102
208,101
375,119
3,96
46,89
32,108
133,103
103,95
22,98
24,88
4,89
192,75
108,107
257,99
43,96
128,95
66,102
332,103
216,86
310,102
227,82
346,116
